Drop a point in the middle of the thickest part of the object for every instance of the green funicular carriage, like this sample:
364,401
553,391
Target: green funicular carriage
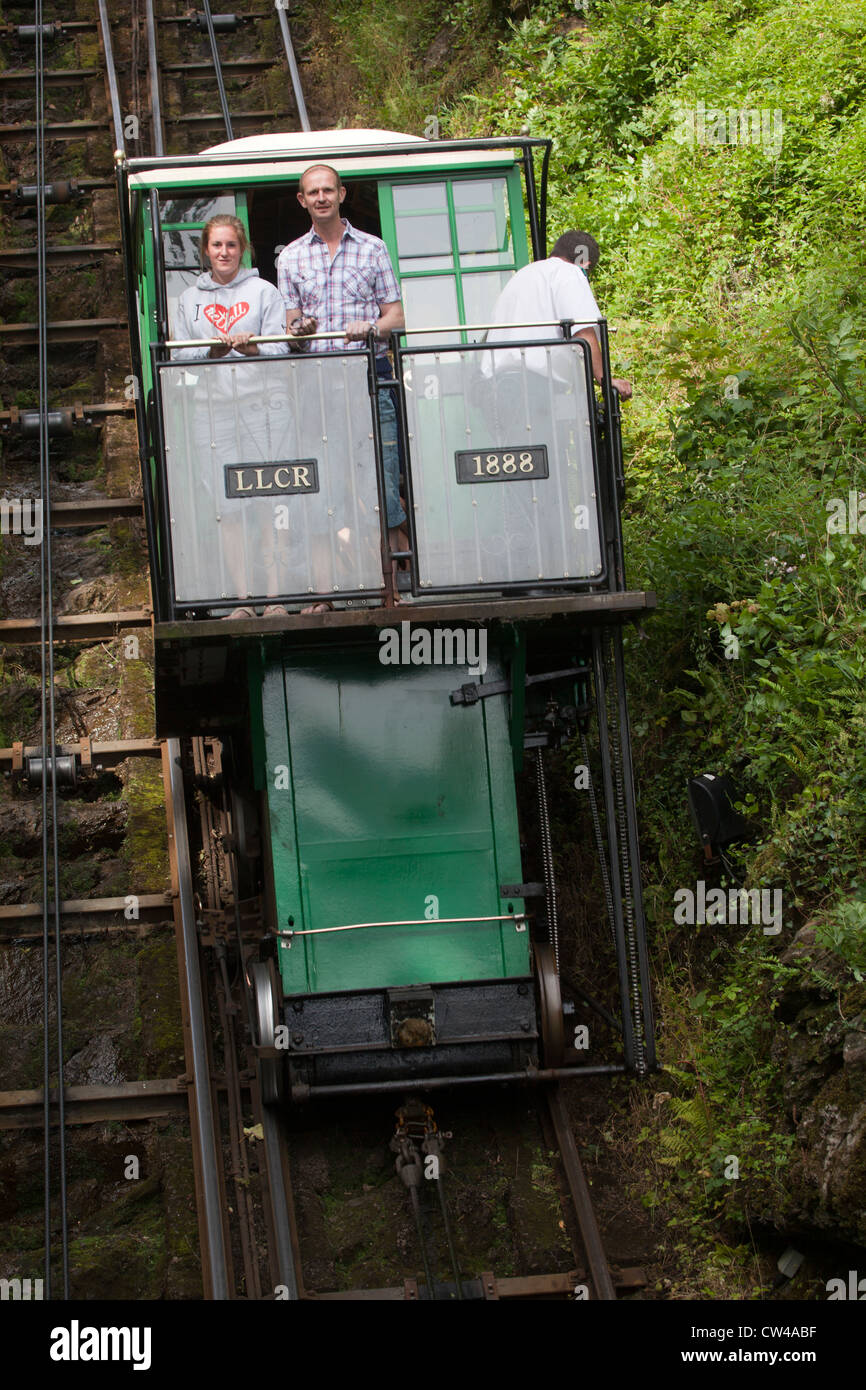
376,749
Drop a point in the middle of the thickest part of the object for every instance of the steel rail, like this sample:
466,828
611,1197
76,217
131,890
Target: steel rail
294,74
579,1190
111,77
278,1191
224,105
202,1110
157,131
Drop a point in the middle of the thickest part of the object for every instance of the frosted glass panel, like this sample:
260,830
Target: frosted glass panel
525,435
271,478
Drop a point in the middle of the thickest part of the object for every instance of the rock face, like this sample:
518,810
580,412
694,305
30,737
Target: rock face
822,1057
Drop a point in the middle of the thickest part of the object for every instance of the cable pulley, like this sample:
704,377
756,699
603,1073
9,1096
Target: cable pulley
31,32
60,191
61,769
222,23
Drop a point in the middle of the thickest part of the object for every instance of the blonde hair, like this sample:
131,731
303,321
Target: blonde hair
223,219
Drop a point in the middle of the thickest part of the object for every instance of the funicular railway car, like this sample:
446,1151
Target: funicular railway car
376,748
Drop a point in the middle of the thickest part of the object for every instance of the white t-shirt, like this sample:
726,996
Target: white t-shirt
543,291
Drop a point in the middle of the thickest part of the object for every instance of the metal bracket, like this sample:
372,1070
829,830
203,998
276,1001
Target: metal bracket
522,890
471,693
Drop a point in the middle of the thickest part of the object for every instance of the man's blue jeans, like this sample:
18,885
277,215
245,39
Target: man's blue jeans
390,444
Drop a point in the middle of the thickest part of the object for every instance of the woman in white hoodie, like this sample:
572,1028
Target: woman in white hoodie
240,414
227,295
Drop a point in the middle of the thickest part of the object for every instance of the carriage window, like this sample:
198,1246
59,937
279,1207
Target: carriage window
448,235
182,220
483,231
431,303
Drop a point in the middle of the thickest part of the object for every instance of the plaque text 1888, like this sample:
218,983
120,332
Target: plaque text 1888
501,465
261,479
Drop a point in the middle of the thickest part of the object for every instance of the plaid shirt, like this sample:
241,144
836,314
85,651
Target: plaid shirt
352,286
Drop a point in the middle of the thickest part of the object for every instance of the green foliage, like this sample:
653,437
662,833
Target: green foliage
719,1137
395,65
844,931
734,273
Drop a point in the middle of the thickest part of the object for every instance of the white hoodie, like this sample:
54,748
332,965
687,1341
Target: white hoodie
247,304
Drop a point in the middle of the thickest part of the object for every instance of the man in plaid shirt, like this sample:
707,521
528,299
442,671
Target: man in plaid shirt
335,279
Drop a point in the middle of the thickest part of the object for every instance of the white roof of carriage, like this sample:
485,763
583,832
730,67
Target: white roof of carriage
349,150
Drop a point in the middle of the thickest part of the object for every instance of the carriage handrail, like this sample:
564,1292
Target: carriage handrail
411,922
488,327
254,338
401,332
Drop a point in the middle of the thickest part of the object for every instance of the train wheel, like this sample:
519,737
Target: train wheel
550,1007
266,1017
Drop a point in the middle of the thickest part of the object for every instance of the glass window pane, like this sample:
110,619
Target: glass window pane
176,281
423,236
423,229
480,293
182,249
409,264
197,209
481,209
473,192
420,197
431,303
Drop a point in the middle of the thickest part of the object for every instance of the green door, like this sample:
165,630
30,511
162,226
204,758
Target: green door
388,804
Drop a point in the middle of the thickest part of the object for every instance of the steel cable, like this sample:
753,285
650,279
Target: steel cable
48,719
547,857
599,840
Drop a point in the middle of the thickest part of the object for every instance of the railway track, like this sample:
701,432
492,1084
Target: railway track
154,68
41,148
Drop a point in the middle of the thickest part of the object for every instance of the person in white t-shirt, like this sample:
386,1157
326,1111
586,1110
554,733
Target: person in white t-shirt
556,288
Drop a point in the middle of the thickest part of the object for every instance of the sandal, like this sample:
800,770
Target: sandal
275,610
323,607
239,613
